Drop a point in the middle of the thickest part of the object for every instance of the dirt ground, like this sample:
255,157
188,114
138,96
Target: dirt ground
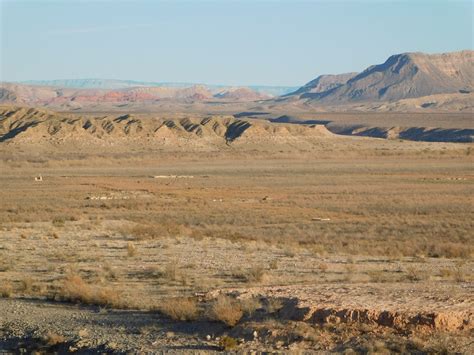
357,245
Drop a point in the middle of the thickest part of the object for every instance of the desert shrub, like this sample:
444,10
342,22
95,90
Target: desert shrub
182,308
52,339
250,305
456,273
142,231
131,249
75,289
6,290
171,272
254,274
226,310
273,264
273,305
152,231
58,221
227,343
414,274
26,284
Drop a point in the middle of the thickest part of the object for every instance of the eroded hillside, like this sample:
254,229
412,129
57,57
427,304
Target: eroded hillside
28,125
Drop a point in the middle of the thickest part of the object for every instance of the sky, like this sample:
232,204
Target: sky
246,42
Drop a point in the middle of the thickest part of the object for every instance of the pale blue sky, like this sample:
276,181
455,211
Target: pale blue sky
221,42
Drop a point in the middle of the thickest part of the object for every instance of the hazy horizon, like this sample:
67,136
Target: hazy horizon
234,43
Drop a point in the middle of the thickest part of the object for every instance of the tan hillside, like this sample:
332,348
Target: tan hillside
27,125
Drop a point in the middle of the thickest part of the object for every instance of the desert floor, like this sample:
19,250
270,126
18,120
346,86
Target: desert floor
360,245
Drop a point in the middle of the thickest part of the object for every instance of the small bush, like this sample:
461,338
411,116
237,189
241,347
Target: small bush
171,272
131,249
52,339
273,264
59,221
413,274
6,290
226,310
250,305
142,232
26,284
182,309
254,274
75,289
273,305
227,343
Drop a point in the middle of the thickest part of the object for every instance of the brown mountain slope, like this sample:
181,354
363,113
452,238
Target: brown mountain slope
239,94
402,76
324,83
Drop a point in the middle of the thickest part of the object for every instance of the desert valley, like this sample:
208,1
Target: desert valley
336,217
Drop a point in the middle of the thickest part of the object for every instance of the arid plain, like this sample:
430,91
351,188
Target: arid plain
194,232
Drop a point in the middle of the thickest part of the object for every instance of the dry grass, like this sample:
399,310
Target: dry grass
255,274
414,274
171,271
52,339
6,290
131,249
273,305
226,310
250,305
75,289
228,343
26,285
180,308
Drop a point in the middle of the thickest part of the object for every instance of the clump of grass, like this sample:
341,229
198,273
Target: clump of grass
52,339
226,310
131,249
58,221
250,305
289,253
273,305
414,274
142,231
26,284
456,273
171,272
181,308
153,231
75,289
349,274
6,290
273,264
253,275
227,343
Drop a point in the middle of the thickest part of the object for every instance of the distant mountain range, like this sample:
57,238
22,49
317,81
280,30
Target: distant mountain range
112,84
405,82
